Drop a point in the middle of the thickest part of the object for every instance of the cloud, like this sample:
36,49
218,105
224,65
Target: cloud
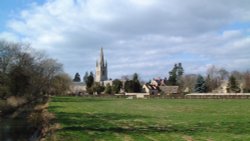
144,36
9,36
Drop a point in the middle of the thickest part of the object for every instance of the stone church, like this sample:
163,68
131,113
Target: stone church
101,74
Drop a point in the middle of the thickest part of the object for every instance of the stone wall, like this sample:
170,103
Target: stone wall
218,96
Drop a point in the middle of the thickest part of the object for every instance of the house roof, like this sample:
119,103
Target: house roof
151,87
169,89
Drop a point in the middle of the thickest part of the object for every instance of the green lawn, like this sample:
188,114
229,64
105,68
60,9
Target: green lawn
113,119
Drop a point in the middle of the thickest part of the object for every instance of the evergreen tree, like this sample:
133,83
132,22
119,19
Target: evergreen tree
90,80
200,85
77,77
129,86
180,70
136,83
232,85
175,75
135,77
133,85
137,87
91,74
172,80
85,77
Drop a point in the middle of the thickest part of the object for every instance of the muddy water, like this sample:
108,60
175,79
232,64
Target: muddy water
14,130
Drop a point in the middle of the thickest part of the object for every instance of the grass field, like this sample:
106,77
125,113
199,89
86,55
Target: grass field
113,119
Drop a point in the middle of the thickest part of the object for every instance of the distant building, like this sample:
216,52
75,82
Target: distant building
77,88
101,74
151,89
169,89
158,85
158,82
101,69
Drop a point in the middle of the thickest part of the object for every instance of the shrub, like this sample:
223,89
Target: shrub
41,119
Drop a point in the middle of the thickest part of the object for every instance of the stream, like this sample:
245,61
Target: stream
14,130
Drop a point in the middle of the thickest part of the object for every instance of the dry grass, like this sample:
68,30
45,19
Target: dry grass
41,107
14,101
187,138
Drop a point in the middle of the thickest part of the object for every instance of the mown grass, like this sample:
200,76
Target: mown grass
150,119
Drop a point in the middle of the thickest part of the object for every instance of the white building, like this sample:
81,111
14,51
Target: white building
77,88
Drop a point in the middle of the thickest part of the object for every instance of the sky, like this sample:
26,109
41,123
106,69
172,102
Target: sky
143,36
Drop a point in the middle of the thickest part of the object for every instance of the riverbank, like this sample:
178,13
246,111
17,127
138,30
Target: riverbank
28,121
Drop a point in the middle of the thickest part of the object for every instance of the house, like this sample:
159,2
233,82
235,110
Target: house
158,82
169,89
158,85
151,89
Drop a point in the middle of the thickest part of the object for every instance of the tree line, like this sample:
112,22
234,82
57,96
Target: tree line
210,82
128,85
27,79
28,73
213,79
188,83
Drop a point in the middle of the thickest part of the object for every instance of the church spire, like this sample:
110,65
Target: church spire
101,58
101,68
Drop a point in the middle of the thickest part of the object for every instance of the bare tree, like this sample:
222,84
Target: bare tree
30,73
238,75
246,83
223,73
8,55
188,82
60,84
214,77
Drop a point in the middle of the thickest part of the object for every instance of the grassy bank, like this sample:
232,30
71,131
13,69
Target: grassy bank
151,119
21,121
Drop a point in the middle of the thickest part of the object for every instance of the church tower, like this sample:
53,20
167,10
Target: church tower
101,69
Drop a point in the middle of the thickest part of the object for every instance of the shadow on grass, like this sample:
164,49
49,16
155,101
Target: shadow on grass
124,123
